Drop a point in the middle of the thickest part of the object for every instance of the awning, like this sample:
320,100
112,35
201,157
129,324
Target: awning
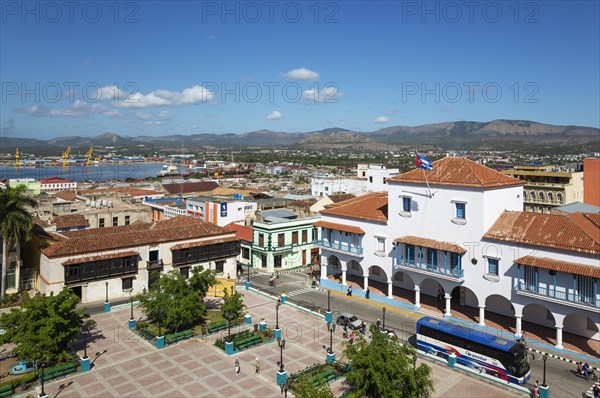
204,243
558,265
431,243
339,227
92,259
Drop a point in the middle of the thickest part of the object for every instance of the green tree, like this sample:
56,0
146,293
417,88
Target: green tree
15,223
305,388
202,279
233,306
384,368
172,302
44,325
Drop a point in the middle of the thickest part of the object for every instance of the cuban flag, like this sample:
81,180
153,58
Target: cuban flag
422,162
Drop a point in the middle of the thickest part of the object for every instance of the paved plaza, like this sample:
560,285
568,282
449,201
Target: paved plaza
125,365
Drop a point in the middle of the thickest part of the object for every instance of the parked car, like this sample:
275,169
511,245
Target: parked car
349,320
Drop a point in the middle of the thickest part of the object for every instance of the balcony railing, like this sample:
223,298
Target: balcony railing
448,272
551,294
279,249
339,247
154,265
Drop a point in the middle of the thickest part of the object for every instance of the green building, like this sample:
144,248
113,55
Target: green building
30,184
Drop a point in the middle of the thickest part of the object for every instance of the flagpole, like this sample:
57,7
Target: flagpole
425,176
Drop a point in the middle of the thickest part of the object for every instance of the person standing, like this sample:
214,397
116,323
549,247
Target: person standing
237,367
536,389
257,366
596,390
367,293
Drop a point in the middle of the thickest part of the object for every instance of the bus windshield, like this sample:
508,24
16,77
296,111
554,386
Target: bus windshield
522,363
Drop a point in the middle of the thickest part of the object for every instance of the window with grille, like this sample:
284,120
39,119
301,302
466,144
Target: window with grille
461,210
410,253
432,257
406,204
295,237
280,239
530,278
493,266
585,289
115,221
127,283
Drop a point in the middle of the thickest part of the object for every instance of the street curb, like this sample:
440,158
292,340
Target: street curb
559,357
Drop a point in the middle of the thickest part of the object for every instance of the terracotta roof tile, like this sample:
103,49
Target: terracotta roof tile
204,243
232,191
137,234
129,191
341,197
562,266
190,187
577,232
339,227
90,259
458,172
372,207
434,244
303,204
70,220
69,196
241,231
54,180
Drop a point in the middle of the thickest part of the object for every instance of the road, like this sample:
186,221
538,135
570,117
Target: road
558,373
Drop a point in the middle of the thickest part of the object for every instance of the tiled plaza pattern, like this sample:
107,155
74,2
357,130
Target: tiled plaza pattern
128,366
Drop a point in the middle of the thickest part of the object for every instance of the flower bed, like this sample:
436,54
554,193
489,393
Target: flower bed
322,372
246,339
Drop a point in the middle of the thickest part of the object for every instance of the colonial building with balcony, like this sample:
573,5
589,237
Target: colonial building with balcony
124,260
458,232
547,187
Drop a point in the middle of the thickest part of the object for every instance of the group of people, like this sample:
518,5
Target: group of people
238,368
584,369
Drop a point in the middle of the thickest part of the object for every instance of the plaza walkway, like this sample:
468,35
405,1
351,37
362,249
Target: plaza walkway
125,365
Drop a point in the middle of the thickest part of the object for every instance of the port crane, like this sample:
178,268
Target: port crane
89,156
17,161
65,157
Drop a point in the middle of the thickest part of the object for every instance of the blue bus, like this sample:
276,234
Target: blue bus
474,348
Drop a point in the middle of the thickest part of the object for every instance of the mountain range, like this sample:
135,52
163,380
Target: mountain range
497,134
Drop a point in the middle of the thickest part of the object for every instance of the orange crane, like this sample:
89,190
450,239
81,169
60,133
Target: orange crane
65,157
17,161
88,163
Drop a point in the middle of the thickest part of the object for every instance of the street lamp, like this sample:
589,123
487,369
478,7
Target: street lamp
277,315
383,323
131,302
285,387
414,363
106,284
328,300
545,358
281,344
40,364
84,341
331,328
228,317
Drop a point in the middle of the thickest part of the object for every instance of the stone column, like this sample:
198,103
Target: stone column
448,297
365,282
559,344
390,290
343,277
417,296
482,315
518,332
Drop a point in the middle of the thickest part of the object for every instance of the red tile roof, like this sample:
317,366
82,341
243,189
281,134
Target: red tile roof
434,244
341,197
241,231
70,220
204,243
302,204
579,232
458,172
190,187
562,266
54,180
339,227
90,259
130,191
69,196
371,207
138,234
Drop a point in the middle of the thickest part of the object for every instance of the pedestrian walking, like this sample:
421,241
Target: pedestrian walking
237,367
351,338
363,328
349,291
536,389
257,366
596,390
367,293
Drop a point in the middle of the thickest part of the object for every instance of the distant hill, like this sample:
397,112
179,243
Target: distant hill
498,134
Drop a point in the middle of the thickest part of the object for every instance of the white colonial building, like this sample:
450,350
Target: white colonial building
459,232
56,184
369,178
127,259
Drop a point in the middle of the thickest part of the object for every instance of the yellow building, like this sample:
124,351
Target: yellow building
547,187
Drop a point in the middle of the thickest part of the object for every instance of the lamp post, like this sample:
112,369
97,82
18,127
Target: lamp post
106,284
545,358
131,302
277,315
331,328
281,344
414,363
106,302
328,300
39,364
383,322
284,389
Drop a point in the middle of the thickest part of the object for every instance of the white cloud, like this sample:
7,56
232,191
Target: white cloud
328,94
275,115
302,74
194,126
153,117
78,109
381,119
153,123
190,96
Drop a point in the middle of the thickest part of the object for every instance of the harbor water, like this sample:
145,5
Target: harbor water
103,172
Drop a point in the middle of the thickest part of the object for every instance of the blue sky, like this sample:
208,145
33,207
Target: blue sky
184,67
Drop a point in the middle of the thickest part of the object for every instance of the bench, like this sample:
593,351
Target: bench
251,341
6,391
217,326
241,335
175,337
59,371
325,376
145,333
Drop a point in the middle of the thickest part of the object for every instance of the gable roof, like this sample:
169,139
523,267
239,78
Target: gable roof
339,227
241,231
131,191
579,232
70,220
341,197
68,196
54,180
190,187
138,234
458,172
372,207
558,265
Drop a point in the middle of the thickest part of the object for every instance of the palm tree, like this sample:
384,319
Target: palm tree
15,223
